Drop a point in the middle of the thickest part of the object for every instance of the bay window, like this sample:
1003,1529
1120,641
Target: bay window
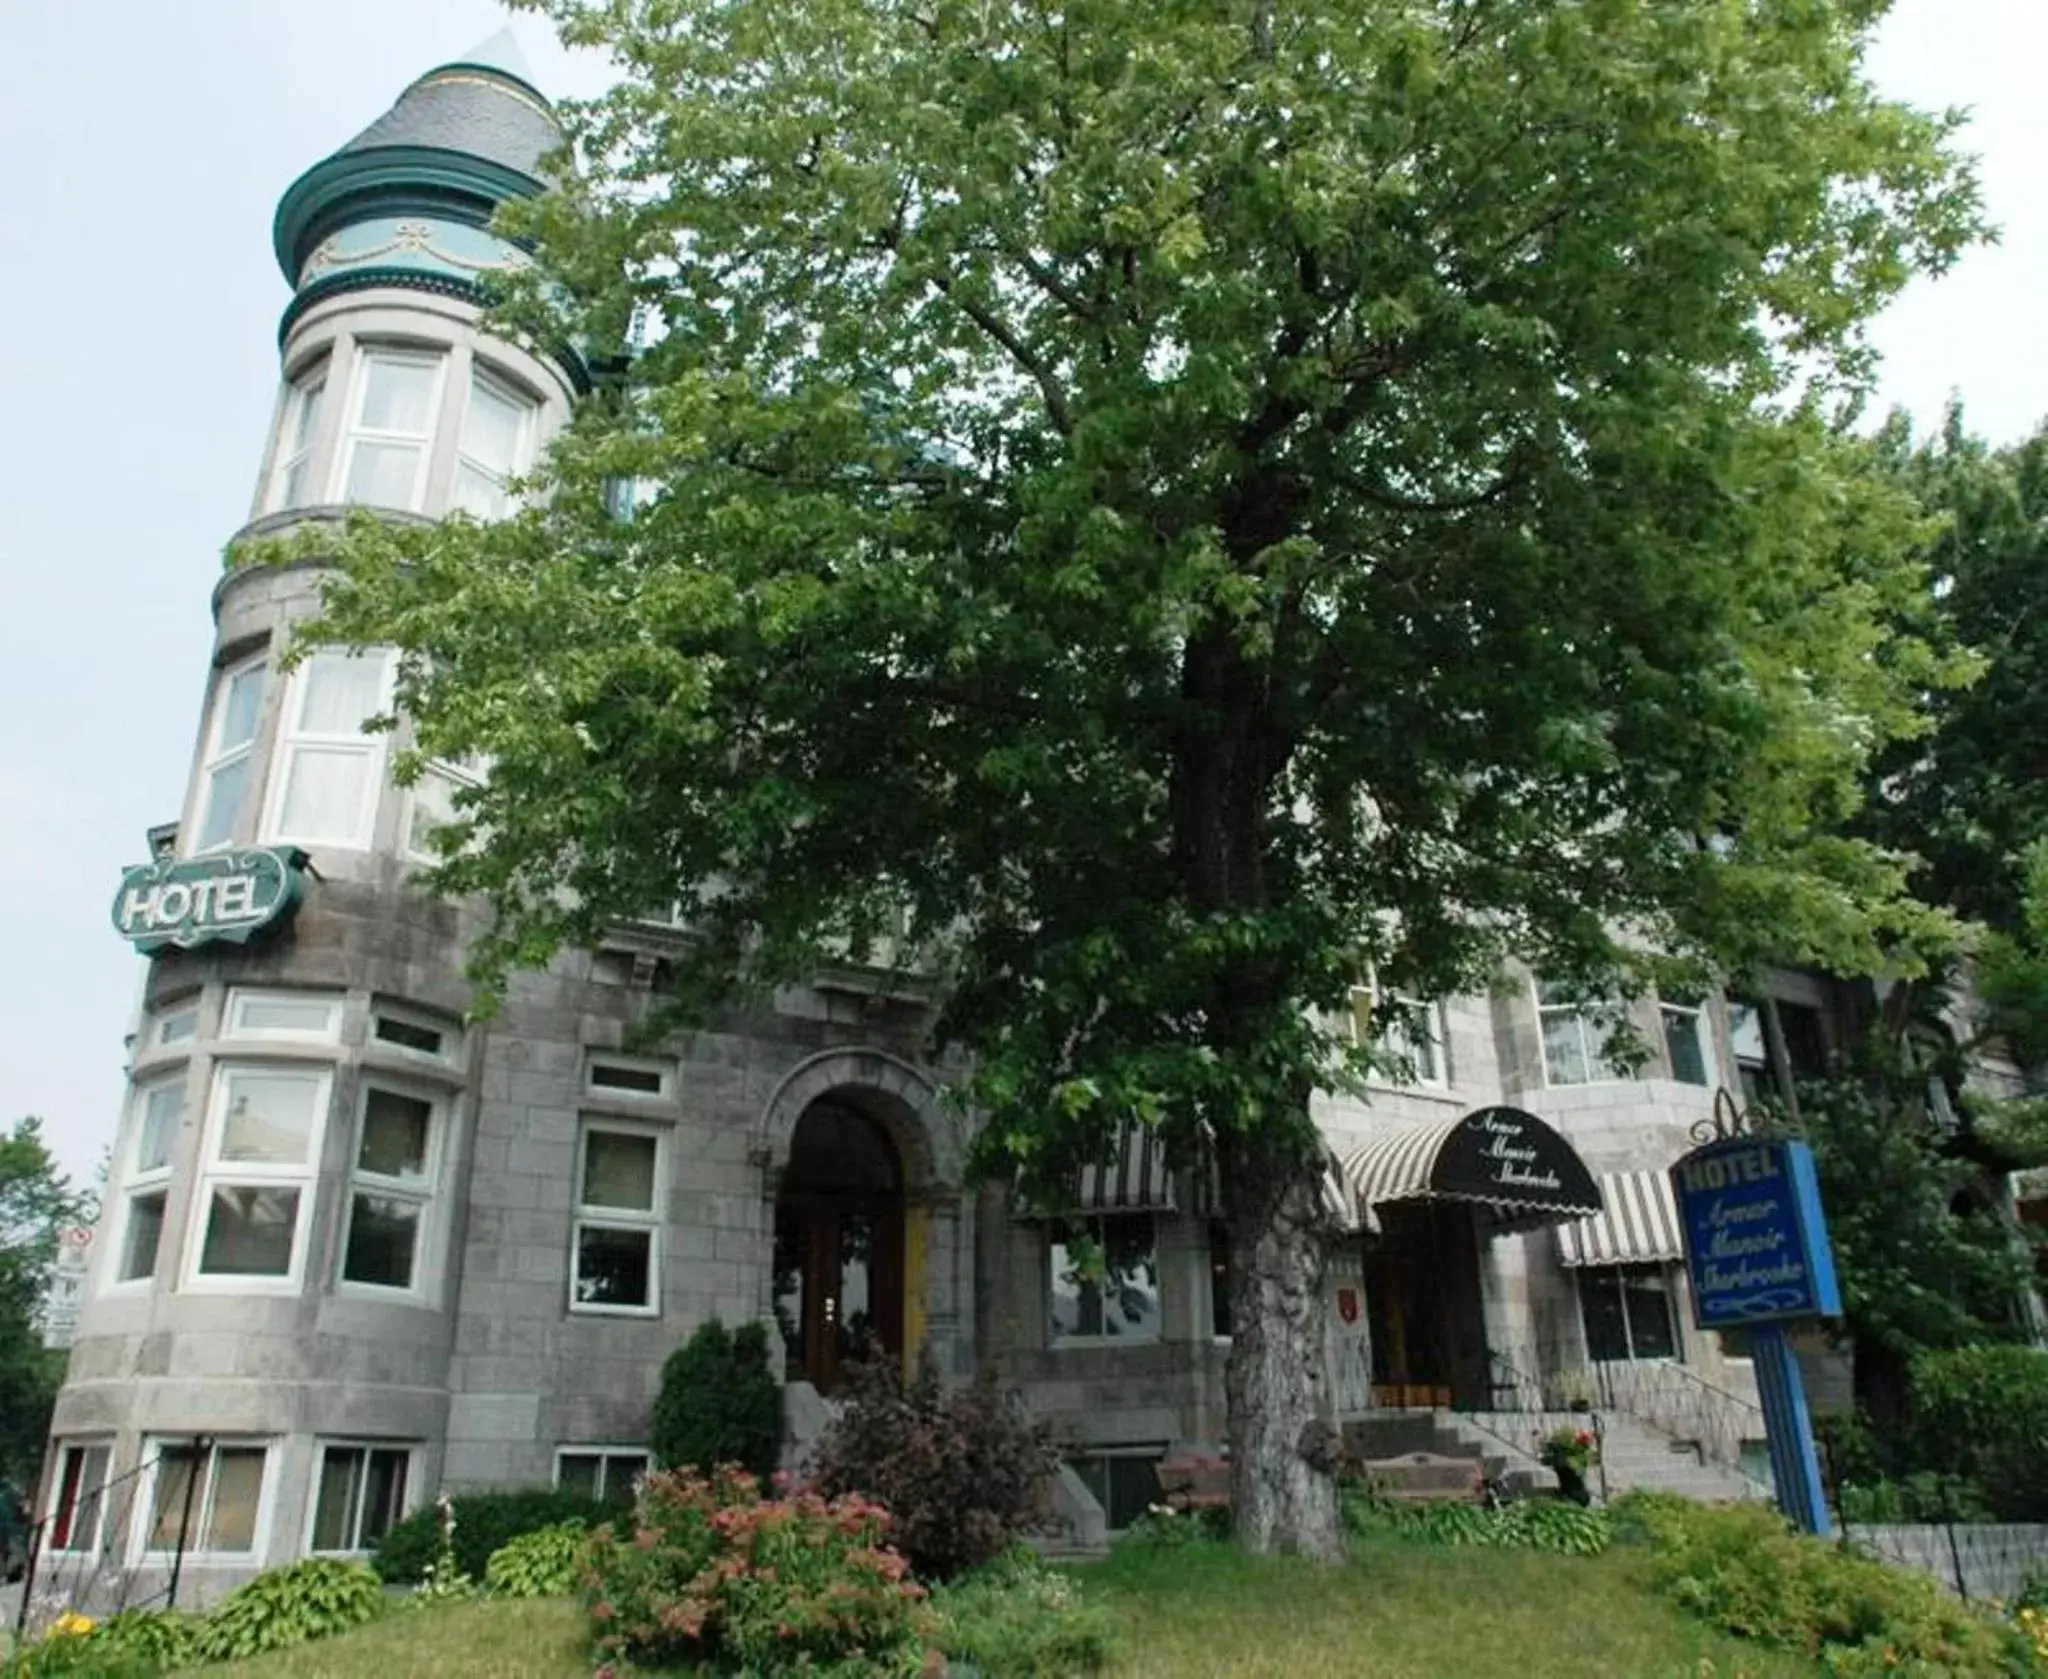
390,426
210,1493
158,1111
329,772
432,805
288,478
615,1246
1117,1300
227,770
284,1016
361,1495
1576,1035
260,1162
391,1190
496,446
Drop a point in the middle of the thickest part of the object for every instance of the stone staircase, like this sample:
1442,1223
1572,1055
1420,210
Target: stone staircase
1634,1455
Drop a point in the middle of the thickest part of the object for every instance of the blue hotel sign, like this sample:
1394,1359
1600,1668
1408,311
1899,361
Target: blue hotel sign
1755,1238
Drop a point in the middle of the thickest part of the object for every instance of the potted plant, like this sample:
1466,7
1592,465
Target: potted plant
1568,1453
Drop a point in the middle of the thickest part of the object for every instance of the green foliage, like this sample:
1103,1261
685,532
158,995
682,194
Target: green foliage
1926,1496
963,1472
1018,1619
1741,1568
485,1523
36,1201
544,1563
711,1575
1980,1414
1165,1528
166,1639
285,1606
719,1402
1204,505
1562,1528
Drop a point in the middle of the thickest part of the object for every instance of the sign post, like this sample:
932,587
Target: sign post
1756,1248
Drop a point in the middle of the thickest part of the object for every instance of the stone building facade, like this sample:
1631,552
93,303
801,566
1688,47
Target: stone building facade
357,1248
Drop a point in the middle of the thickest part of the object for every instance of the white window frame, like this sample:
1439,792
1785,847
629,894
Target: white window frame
1394,1035
1587,1013
482,373
663,1070
354,432
1702,1036
1055,1241
297,431
235,1027
408,1498
604,1452
215,1173
138,1181
153,1446
292,740
424,1193
448,1055
81,1447
178,1024
619,1218
217,757
455,776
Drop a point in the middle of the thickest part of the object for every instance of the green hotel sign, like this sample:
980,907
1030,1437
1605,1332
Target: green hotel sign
227,898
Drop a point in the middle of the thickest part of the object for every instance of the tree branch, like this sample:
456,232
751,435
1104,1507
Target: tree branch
1021,353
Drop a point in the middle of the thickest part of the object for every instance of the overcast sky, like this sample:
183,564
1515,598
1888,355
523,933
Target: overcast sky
143,147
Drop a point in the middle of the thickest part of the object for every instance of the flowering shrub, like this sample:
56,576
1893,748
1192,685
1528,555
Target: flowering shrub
964,1472
1568,1448
709,1572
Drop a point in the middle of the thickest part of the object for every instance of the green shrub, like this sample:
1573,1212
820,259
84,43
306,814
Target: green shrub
544,1563
1557,1526
963,1472
1981,1413
1018,1619
712,1576
86,1654
1925,1497
719,1402
285,1606
1164,1528
485,1522
1743,1569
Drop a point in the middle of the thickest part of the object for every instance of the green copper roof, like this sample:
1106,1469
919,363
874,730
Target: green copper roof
460,141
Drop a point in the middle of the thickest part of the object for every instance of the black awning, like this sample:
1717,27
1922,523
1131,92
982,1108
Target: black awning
1502,1158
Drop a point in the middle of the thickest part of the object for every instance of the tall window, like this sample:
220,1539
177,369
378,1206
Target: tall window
391,1194
1685,1042
1805,1045
1405,1028
497,444
1627,1311
212,1495
1575,1037
262,1150
1115,1300
329,771
1219,1279
229,767
362,1493
432,805
77,1507
390,428
616,1258
288,485
159,1109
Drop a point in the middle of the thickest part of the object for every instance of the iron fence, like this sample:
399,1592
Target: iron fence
1937,1530
77,1557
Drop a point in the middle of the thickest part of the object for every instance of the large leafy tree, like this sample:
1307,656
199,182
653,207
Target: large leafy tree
37,1200
1183,501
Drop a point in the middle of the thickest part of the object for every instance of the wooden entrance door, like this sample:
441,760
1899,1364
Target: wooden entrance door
839,1245
1422,1291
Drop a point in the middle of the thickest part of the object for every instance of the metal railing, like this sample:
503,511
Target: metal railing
1678,1401
76,1553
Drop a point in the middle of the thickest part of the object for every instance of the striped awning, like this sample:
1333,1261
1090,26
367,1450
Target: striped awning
1503,1159
1637,1226
1134,1179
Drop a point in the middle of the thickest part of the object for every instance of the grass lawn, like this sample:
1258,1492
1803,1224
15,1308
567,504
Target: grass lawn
1396,1612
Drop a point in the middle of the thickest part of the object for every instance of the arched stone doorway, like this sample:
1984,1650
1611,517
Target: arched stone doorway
839,1259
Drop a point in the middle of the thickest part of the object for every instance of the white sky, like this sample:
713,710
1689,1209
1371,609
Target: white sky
143,147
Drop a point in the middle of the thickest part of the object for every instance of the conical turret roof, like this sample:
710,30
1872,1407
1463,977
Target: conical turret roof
483,104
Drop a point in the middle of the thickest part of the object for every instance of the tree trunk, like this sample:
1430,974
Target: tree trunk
1284,1446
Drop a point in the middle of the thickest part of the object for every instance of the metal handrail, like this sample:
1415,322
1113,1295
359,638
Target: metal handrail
1678,1401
